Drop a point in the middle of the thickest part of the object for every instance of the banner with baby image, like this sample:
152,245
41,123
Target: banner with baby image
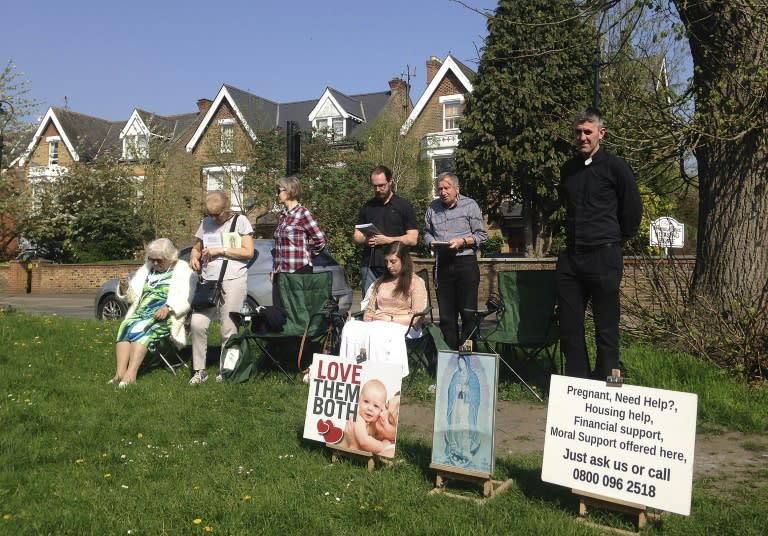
353,406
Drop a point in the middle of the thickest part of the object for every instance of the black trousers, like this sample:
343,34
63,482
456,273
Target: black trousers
583,275
457,280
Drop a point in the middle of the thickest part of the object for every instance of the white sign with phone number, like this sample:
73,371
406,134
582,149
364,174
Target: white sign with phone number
630,443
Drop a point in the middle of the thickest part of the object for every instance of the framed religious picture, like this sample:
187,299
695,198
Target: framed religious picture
465,412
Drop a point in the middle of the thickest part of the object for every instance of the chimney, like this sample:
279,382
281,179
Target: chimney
203,105
433,65
397,84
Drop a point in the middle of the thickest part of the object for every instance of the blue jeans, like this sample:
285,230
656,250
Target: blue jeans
369,275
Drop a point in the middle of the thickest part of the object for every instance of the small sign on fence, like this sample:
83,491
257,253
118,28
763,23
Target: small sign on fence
667,232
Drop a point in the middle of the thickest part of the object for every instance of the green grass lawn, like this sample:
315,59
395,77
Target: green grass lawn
78,456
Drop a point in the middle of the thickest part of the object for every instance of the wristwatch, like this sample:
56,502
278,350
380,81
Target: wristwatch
225,251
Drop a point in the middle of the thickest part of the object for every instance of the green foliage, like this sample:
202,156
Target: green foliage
492,245
89,213
530,81
667,314
335,197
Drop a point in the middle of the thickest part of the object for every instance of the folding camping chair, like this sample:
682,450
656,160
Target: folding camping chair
526,320
166,354
313,323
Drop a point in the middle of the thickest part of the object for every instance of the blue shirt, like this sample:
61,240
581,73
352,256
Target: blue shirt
462,220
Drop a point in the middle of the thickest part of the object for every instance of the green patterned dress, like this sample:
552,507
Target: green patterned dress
141,326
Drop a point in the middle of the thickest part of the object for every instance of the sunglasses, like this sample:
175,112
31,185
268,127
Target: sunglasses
278,190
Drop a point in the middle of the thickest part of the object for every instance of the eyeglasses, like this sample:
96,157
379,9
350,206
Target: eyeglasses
380,186
155,261
280,190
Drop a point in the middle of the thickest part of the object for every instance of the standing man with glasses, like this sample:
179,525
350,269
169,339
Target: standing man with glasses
393,217
603,210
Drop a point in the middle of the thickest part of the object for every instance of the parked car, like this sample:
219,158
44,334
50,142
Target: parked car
108,306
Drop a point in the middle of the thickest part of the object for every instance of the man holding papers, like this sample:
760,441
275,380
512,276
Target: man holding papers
382,220
454,230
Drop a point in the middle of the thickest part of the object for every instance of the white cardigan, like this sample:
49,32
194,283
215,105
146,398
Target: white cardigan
180,293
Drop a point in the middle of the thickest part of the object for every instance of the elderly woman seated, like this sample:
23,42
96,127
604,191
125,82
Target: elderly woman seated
396,297
160,294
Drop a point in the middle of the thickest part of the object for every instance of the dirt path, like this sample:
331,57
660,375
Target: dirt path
520,428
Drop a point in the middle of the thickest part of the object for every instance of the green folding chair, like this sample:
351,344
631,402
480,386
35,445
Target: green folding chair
527,324
313,323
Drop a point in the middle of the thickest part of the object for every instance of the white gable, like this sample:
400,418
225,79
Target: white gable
50,115
448,65
134,126
205,123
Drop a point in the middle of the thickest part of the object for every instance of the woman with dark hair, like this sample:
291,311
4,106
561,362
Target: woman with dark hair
397,296
160,293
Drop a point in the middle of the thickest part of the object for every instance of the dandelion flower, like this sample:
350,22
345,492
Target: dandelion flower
79,461
247,498
107,475
208,528
197,521
139,436
7,517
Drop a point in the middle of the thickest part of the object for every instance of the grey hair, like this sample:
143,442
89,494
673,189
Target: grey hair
591,115
162,248
448,175
292,187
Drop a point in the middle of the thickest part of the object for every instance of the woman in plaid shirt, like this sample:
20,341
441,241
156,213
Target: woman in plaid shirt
298,237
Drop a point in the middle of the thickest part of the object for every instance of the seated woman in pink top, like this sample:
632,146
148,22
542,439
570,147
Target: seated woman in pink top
396,297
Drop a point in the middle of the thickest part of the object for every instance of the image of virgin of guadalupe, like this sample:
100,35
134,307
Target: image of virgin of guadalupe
462,440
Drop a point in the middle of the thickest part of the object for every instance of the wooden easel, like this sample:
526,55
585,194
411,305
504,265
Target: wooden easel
490,487
589,500
370,460
638,511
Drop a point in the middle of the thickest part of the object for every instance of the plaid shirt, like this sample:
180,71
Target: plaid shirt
298,238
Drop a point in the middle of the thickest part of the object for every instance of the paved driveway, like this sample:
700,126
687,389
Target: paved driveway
71,305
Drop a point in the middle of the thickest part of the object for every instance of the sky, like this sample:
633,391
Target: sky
105,58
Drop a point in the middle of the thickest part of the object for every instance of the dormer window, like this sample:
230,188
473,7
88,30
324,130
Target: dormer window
453,107
227,136
333,127
53,150
135,146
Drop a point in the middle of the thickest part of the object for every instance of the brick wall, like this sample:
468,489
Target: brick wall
639,275
48,278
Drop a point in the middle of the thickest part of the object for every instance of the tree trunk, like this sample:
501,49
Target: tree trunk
729,49
538,237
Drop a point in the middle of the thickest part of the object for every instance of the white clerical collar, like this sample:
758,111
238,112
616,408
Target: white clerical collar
588,161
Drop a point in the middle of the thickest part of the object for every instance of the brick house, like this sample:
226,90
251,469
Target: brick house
201,151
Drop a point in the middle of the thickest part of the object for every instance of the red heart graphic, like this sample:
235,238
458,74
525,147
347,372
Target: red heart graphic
334,435
322,427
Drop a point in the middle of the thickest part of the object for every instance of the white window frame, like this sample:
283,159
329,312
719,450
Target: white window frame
326,126
450,122
53,150
135,146
217,177
227,143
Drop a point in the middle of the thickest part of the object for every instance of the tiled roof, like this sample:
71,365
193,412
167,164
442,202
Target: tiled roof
90,136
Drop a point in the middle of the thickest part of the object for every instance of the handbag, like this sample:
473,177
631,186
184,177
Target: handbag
210,293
